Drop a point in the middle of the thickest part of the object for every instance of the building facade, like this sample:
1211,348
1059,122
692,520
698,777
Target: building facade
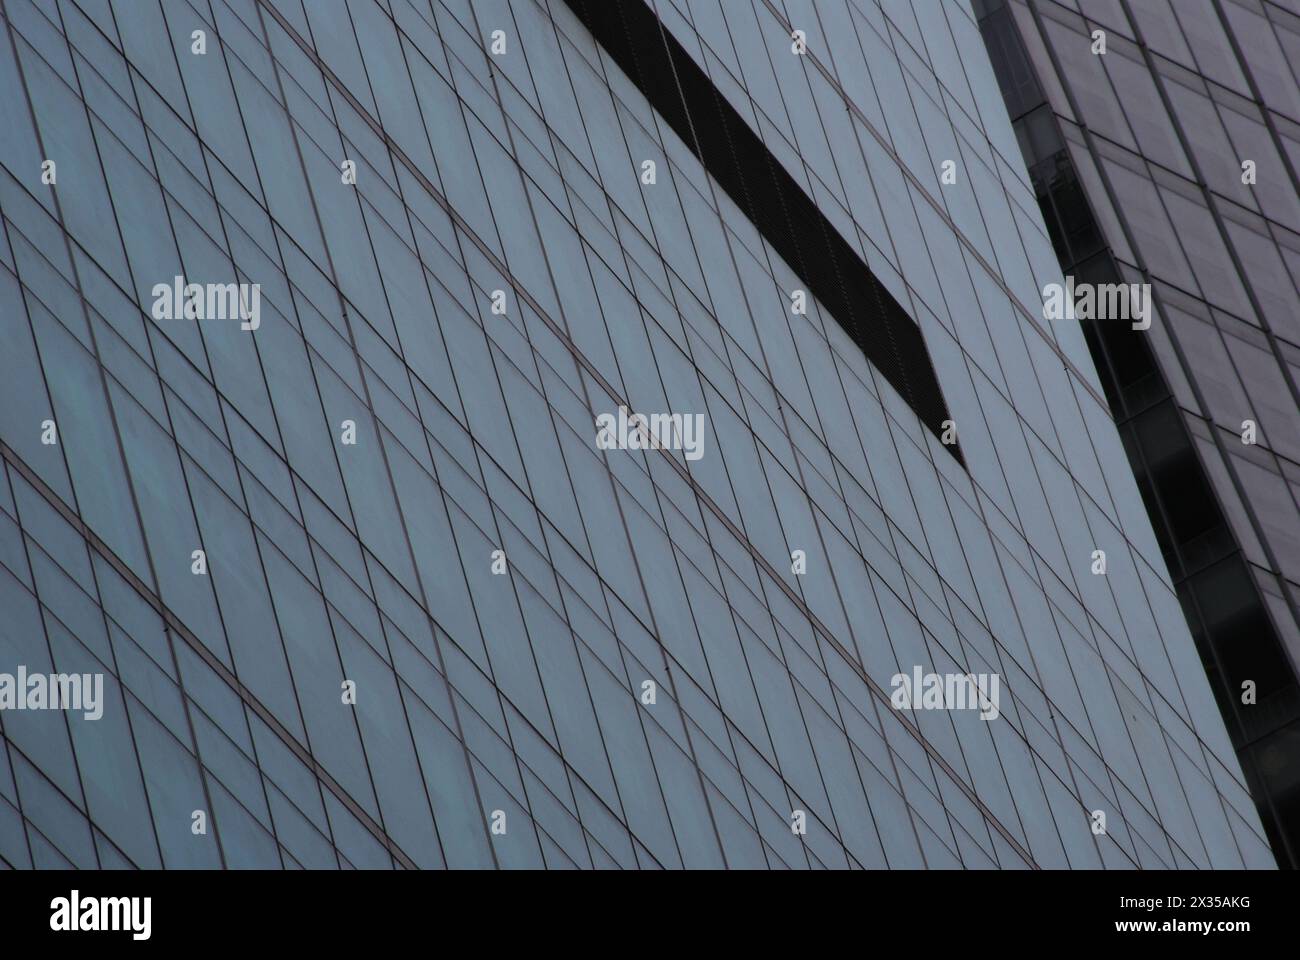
1170,159
553,434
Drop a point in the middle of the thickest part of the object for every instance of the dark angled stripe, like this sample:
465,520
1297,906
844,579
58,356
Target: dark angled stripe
789,220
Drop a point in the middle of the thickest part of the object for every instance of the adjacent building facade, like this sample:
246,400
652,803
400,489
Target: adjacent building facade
1163,141
564,434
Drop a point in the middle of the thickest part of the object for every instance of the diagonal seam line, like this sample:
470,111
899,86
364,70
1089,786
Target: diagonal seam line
614,394
780,208
965,241
10,456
